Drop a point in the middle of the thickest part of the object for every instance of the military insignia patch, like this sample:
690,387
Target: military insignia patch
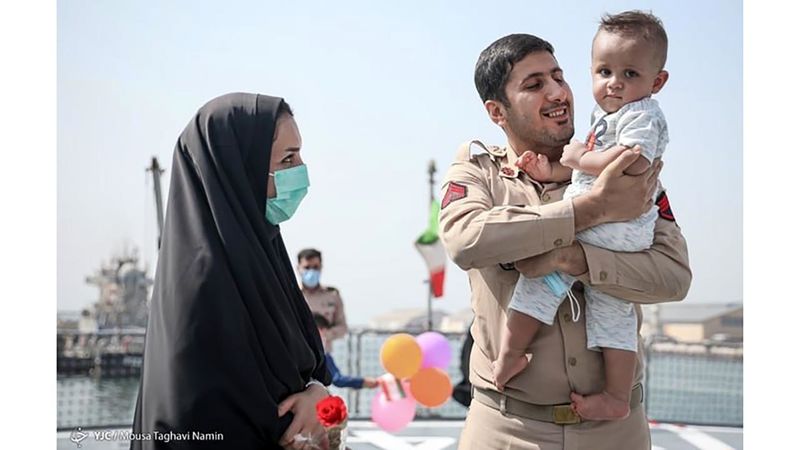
664,210
454,192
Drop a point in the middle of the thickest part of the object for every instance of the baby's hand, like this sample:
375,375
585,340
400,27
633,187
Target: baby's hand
573,151
536,166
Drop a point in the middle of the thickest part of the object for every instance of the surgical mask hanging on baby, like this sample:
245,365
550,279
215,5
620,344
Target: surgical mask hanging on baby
291,186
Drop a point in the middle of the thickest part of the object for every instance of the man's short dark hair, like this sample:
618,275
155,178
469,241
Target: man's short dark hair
642,25
321,321
308,253
497,61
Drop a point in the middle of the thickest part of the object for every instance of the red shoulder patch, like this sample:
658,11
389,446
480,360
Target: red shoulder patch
454,192
664,210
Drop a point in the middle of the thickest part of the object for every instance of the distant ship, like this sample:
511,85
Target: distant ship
107,337
124,292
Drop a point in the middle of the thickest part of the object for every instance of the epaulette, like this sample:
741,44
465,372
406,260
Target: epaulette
497,155
494,151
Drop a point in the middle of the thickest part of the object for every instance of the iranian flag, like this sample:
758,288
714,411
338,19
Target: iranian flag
432,251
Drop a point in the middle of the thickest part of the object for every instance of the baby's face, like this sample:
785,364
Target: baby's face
624,70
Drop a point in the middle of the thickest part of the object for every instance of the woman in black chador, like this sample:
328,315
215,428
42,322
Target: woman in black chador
233,359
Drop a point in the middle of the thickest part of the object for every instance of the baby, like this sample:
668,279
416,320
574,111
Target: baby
628,56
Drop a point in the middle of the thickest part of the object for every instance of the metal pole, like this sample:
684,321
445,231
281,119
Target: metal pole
157,171
657,320
431,171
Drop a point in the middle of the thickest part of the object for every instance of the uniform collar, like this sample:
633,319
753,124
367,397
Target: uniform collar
316,290
508,166
509,169
508,158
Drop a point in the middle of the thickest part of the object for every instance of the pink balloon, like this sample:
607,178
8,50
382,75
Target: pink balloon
393,415
436,350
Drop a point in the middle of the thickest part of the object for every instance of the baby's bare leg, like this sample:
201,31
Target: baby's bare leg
614,402
517,335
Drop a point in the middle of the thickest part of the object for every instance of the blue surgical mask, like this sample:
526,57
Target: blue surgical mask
291,185
310,277
556,284
560,288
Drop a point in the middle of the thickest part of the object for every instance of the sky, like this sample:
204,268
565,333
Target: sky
378,91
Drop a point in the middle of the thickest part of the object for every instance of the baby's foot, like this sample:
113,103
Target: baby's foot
527,161
602,406
507,366
536,166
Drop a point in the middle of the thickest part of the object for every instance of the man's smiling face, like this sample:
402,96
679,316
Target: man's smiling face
539,111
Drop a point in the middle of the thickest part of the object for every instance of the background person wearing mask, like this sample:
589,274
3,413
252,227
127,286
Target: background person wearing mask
323,300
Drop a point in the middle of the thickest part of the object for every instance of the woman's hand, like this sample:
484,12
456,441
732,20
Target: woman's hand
305,423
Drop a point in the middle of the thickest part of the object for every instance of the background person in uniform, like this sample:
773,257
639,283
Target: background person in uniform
324,300
496,223
231,345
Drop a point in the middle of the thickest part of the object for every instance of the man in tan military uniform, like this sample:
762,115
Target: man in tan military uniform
324,300
496,222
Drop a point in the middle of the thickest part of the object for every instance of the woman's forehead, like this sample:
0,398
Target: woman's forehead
286,131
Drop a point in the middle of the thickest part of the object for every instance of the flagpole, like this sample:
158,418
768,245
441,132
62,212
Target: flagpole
431,171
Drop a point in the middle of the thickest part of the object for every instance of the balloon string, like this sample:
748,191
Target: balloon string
400,388
384,388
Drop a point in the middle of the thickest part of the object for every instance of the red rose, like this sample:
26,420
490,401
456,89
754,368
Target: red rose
331,411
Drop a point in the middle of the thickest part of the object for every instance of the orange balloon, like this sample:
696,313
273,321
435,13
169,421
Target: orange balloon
401,356
431,387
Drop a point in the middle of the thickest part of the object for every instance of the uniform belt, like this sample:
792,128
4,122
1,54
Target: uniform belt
558,414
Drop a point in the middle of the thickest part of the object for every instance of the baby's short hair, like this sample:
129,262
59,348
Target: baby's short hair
641,25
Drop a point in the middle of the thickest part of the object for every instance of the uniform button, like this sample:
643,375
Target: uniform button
558,242
546,197
567,316
572,361
603,276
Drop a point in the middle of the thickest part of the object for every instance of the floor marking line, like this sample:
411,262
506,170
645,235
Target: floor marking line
698,438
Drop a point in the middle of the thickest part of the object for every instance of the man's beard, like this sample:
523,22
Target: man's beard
550,144
541,141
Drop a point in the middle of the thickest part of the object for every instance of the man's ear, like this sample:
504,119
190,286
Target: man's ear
660,81
496,111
